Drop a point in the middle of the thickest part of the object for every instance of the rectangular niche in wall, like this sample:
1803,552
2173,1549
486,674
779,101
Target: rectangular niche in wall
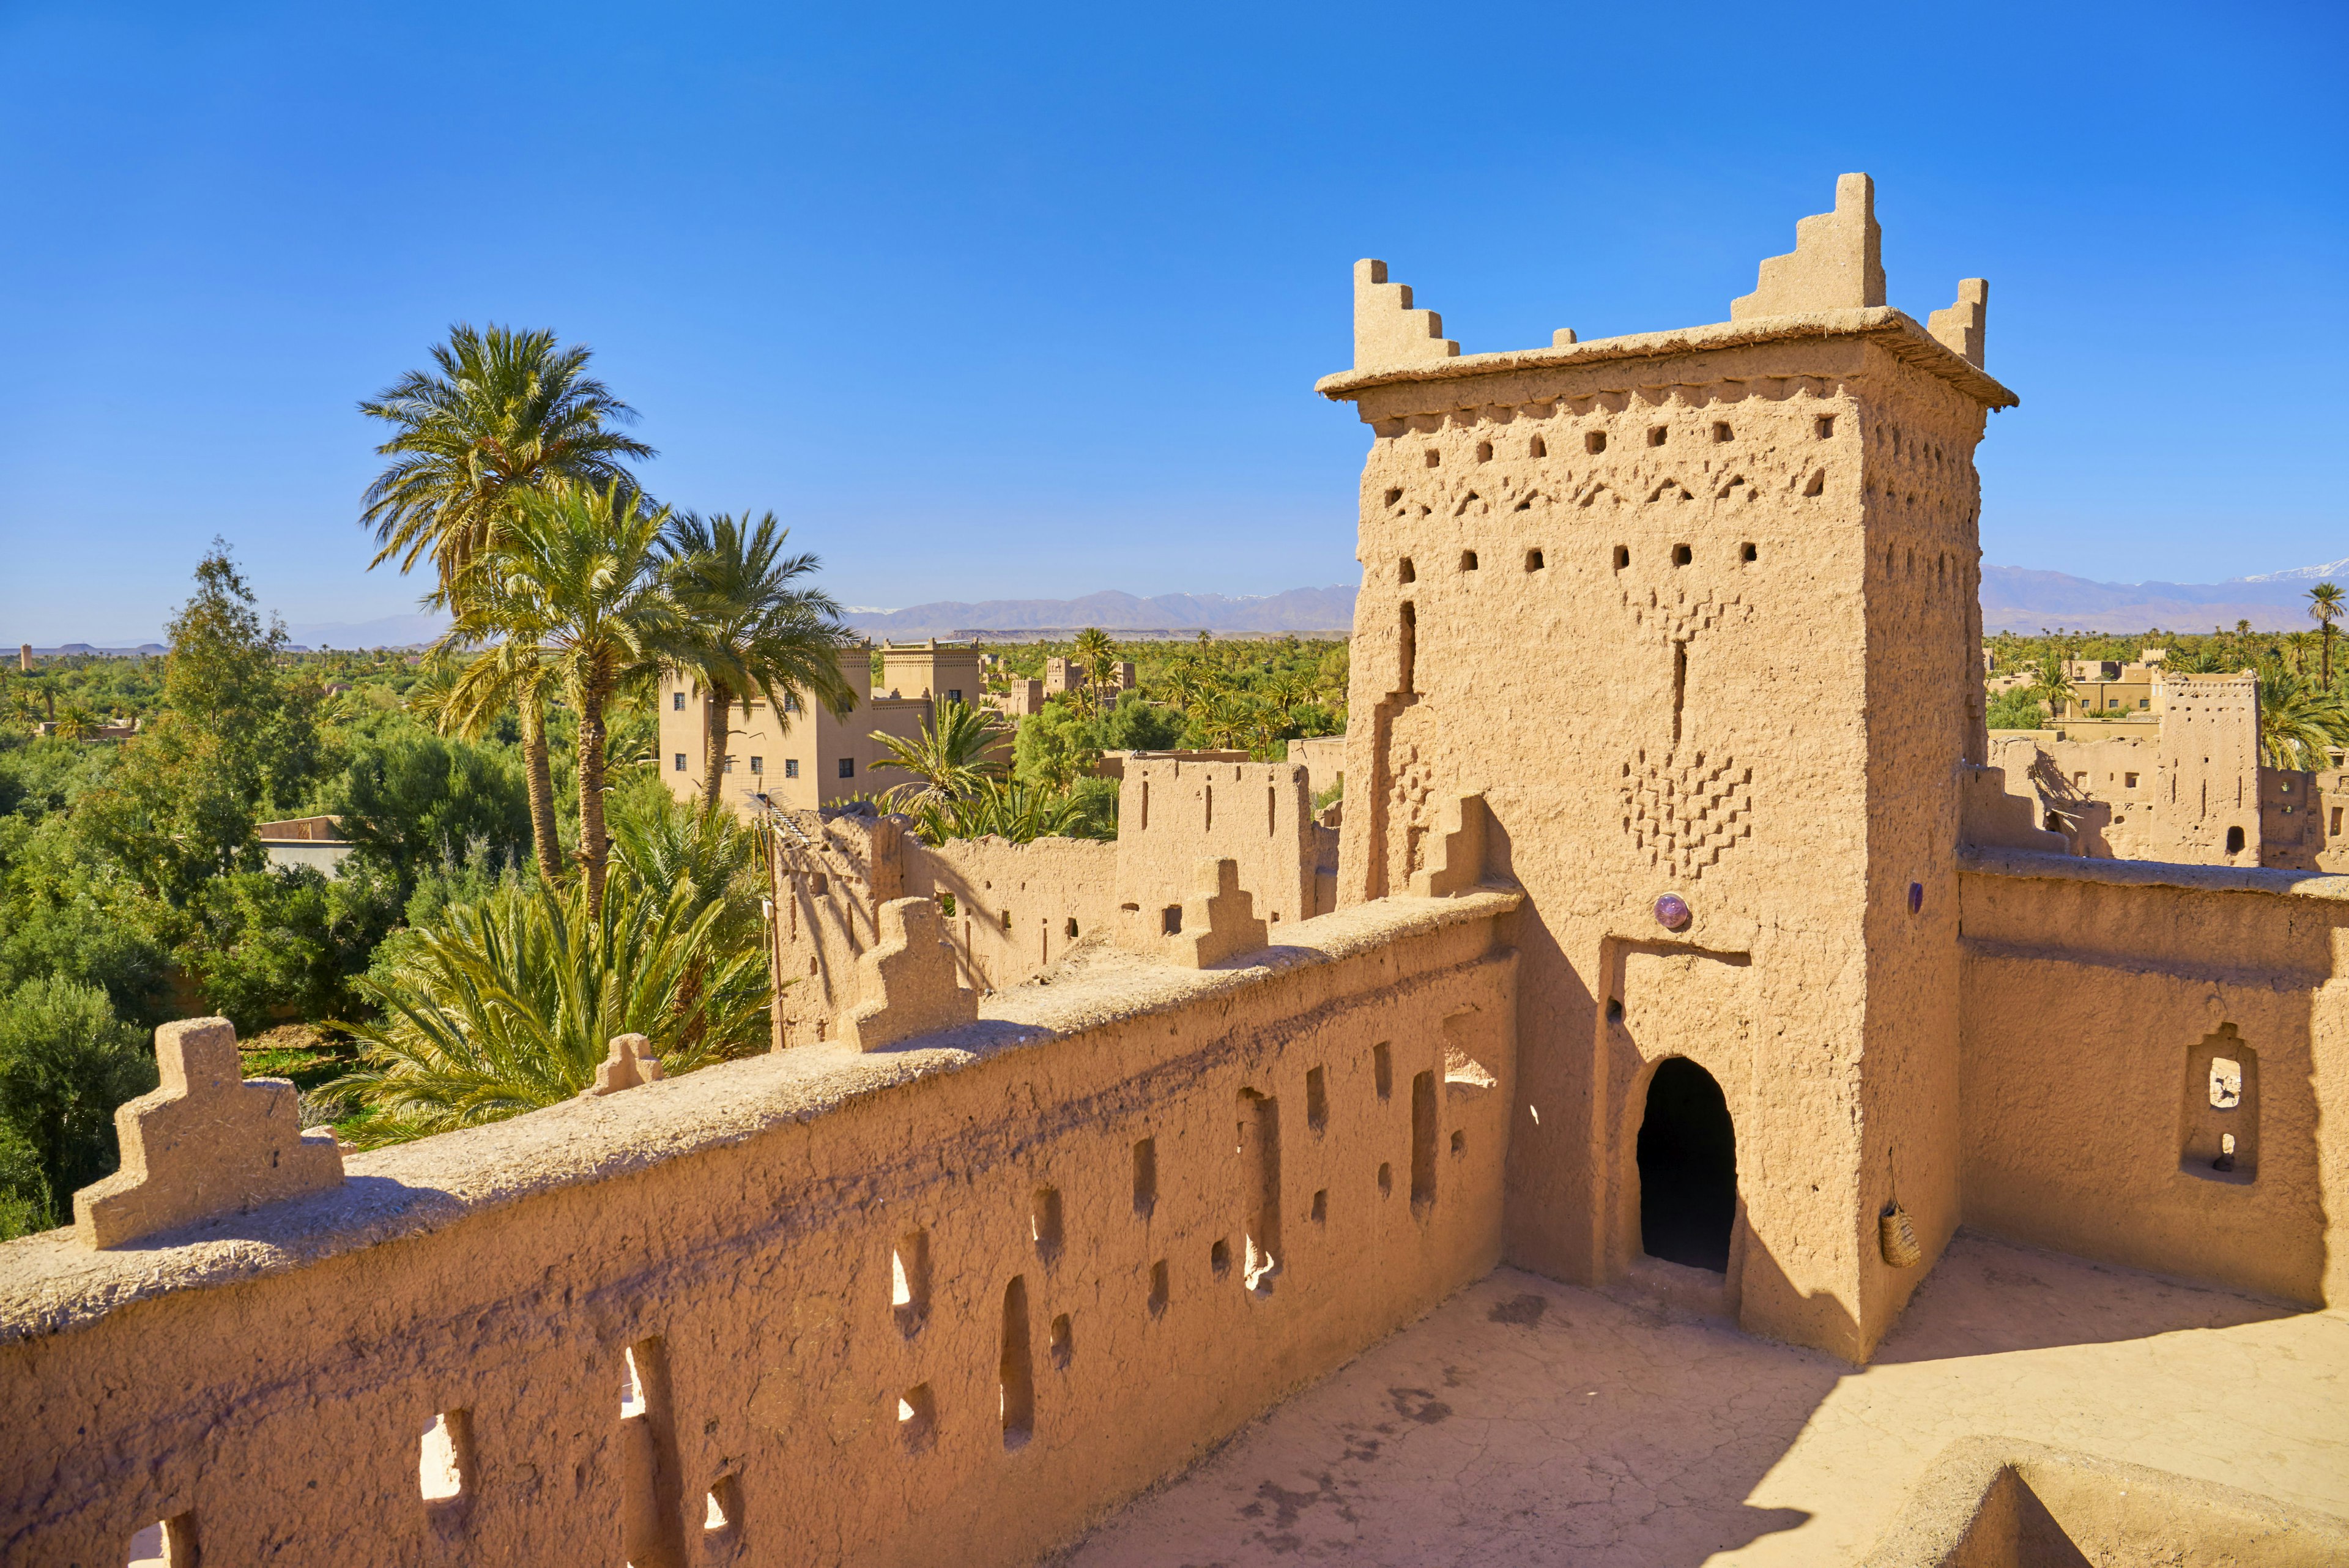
2219,1125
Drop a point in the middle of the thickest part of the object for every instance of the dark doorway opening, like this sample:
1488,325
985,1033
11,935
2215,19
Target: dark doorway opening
1688,1168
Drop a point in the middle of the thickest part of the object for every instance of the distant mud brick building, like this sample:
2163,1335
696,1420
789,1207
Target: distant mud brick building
1710,955
811,757
2186,788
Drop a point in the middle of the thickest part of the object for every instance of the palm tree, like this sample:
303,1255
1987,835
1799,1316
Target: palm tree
2052,684
1185,684
2298,723
1094,653
1018,809
2325,604
1288,690
955,756
509,1004
1223,718
746,628
574,579
2300,642
77,722
465,698
506,411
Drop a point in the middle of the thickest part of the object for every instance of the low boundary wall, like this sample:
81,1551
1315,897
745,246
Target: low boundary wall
2100,998
941,1304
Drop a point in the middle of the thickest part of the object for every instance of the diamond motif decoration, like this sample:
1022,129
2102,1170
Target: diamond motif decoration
1684,809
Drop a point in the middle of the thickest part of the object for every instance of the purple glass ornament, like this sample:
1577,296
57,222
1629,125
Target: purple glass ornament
1916,896
1673,912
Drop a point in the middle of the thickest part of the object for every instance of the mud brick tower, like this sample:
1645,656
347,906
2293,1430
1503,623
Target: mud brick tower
1740,562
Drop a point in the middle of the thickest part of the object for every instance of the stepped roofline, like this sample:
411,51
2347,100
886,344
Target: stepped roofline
1895,330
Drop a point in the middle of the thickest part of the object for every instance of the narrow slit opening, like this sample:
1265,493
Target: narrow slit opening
1016,1377
1422,1139
1146,1176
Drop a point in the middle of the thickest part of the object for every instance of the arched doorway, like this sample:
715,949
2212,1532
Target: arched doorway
1688,1168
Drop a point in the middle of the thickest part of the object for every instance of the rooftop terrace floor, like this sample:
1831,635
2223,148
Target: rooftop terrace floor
1527,1422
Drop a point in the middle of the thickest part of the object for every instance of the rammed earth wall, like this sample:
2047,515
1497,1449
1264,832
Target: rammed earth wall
798,1248
2096,993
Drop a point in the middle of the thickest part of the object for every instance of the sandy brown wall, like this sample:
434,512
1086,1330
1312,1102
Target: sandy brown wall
1018,908
737,1226
1610,587
1923,500
2091,990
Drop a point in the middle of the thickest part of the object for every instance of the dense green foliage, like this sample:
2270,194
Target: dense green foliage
509,1003
65,1063
1247,694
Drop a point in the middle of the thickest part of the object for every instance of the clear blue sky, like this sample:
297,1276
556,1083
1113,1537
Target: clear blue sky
1010,301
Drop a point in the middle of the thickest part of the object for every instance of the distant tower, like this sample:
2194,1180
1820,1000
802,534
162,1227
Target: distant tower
24,656
1698,613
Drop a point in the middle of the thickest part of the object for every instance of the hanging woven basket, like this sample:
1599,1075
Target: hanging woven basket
1898,1238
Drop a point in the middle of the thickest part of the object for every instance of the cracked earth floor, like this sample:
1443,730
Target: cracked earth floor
1527,1422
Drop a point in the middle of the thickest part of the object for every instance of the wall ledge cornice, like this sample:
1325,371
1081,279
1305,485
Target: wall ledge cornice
51,1284
1892,329
2043,867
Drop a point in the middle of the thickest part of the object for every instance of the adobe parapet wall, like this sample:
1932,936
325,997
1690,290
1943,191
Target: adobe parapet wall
2099,998
1897,332
939,1303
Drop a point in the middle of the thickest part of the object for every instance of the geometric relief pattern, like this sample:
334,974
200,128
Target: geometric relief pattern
1684,808
1678,616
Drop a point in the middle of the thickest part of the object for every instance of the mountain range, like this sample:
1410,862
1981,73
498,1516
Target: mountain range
2015,599
1298,610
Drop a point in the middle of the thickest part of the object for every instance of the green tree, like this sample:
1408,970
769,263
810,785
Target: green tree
471,687
2324,605
2298,722
957,751
1095,654
408,801
1055,748
1019,809
576,573
2052,684
1137,724
66,1062
749,626
77,722
272,947
509,1005
2016,708
501,413
222,680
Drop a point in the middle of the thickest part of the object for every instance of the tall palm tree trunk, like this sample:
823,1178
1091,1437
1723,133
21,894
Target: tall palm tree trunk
594,850
717,702
2328,656
542,833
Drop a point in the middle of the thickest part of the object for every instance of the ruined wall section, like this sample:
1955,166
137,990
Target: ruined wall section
2207,767
1173,815
941,1304
1682,540
2119,1021
1017,910
1920,505
828,875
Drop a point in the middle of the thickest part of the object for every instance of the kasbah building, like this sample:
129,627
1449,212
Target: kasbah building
1696,1115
